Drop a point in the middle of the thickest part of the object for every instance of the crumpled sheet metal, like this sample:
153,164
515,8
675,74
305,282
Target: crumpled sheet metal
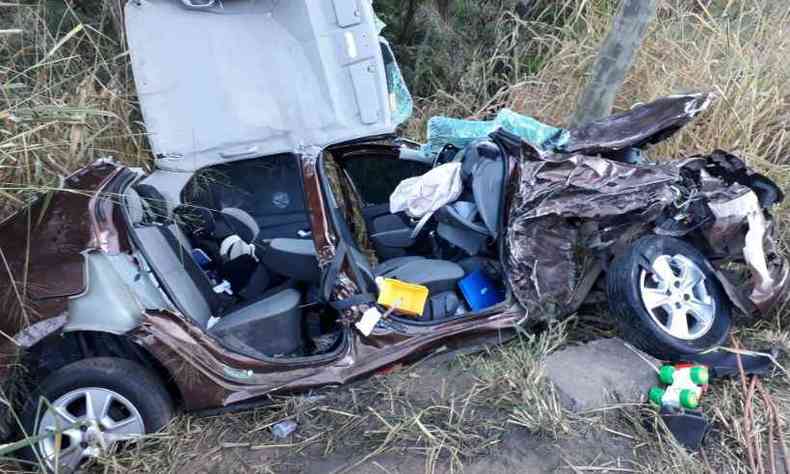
641,125
546,253
591,187
740,222
564,202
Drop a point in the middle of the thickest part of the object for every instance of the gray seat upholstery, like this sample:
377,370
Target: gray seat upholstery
475,216
437,275
393,263
271,325
184,281
297,259
293,258
242,223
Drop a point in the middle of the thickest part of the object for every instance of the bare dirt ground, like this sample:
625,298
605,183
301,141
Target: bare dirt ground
435,382
492,411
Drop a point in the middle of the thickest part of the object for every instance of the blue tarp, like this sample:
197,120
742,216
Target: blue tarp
444,130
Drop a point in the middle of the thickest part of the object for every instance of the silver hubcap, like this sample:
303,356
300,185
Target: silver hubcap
84,424
674,294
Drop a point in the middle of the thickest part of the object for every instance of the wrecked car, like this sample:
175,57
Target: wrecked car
247,262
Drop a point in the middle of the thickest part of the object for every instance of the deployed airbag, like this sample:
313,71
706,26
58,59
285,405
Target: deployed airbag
421,196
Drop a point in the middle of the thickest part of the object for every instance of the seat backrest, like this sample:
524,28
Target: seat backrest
484,167
242,223
168,253
487,183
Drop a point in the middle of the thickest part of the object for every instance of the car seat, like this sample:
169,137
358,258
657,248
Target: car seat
437,275
268,325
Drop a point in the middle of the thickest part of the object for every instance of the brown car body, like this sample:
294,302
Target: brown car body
43,250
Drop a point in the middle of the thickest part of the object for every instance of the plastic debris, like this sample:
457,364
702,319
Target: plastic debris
283,429
680,412
405,298
688,427
685,385
370,318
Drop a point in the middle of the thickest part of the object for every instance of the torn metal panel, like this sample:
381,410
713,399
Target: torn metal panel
41,246
109,303
644,124
741,220
542,264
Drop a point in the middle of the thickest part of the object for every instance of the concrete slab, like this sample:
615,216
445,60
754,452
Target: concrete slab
600,373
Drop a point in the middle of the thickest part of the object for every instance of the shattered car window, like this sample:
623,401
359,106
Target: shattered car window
401,102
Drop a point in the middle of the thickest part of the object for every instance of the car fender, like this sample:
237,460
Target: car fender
115,297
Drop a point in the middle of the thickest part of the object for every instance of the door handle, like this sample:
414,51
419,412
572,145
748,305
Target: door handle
199,4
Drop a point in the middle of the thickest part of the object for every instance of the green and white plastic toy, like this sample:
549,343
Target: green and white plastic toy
685,384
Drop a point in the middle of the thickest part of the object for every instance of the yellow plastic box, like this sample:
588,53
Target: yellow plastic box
405,297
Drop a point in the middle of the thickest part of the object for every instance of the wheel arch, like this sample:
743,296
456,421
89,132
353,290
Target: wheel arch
625,303
60,349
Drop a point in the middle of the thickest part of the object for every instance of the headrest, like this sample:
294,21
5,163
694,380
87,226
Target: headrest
242,223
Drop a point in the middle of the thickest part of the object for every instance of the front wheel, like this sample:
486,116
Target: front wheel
666,300
93,405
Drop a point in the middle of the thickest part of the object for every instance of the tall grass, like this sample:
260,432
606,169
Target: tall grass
66,95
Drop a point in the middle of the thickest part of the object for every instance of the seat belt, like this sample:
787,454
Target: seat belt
331,274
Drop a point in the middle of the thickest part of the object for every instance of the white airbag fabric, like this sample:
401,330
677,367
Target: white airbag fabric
426,194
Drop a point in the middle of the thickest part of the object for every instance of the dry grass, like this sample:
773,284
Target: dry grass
448,416
66,99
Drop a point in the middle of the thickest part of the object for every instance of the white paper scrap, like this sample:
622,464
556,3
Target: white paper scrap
368,321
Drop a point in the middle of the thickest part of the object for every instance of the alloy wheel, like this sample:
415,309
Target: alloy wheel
86,423
674,293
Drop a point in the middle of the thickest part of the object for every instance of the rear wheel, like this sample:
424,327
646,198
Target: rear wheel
666,299
93,406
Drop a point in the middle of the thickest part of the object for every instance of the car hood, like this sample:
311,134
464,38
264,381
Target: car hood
249,78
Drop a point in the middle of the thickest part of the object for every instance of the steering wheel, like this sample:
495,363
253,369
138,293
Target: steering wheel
445,155
473,214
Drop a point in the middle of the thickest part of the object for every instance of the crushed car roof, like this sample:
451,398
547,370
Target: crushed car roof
244,79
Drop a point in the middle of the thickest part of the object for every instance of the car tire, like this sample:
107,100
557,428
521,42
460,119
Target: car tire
666,299
131,392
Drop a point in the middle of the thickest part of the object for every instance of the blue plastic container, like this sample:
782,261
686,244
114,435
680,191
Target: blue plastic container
480,291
